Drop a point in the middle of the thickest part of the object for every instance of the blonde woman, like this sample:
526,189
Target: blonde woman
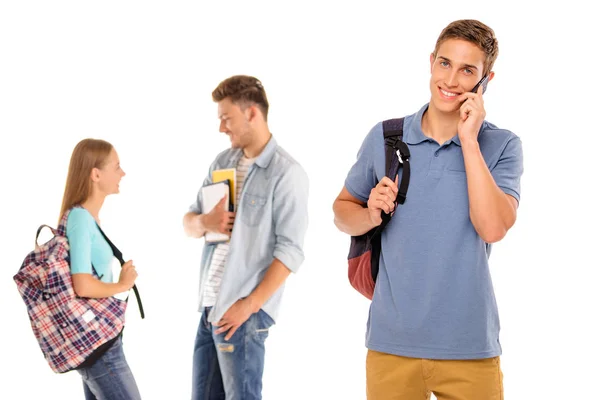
94,173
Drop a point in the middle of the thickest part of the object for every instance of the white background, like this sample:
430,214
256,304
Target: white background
140,75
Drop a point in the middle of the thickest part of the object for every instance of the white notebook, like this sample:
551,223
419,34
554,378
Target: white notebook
211,195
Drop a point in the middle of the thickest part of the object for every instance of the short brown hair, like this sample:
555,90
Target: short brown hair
243,90
475,32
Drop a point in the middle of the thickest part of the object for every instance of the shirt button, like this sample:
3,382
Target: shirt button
436,154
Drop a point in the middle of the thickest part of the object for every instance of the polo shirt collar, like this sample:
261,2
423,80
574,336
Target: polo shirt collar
415,134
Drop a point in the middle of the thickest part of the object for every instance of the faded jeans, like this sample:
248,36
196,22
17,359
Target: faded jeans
230,370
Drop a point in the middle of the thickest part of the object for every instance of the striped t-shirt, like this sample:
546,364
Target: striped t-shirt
217,264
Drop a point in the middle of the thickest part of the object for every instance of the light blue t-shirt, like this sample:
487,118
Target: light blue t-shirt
434,296
87,245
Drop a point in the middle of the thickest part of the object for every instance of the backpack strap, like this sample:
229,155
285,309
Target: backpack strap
393,132
119,256
396,154
37,235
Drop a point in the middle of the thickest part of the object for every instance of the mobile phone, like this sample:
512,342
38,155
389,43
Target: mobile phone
483,82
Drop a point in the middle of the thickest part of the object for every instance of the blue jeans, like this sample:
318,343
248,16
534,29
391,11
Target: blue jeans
230,370
110,378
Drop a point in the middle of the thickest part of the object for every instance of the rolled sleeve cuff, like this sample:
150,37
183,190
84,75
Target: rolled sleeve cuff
290,256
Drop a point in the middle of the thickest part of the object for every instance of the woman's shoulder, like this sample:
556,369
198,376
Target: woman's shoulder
79,217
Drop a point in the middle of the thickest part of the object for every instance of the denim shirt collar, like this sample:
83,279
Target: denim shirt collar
264,158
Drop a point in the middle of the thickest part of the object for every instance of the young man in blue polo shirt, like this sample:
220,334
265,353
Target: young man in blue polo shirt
433,323
242,280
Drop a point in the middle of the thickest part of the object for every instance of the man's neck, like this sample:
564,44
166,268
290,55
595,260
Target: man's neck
259,143
439,126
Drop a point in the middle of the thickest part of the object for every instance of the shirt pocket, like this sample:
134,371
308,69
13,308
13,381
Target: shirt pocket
253,208
456,167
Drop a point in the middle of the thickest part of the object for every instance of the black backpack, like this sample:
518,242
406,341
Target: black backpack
363,258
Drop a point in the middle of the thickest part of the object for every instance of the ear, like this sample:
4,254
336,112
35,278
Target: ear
491,74
95,175
431,60
251,113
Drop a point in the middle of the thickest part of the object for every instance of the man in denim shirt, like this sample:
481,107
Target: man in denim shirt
242,281
433,324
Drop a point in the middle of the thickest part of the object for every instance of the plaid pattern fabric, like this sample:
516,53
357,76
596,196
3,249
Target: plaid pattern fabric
68,328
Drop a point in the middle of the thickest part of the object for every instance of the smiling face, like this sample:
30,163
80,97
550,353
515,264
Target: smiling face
106,179
455,69
235,123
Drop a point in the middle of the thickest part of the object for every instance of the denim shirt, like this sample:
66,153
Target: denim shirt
271,222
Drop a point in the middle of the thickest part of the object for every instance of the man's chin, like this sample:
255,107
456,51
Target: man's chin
446,108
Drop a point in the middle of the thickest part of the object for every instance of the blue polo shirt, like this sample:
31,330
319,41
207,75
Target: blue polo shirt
434,297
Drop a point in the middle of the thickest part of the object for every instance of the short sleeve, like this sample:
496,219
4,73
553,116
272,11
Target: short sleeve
79,235
362,177
507,172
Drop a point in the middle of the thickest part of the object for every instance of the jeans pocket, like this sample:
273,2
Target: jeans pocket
263,324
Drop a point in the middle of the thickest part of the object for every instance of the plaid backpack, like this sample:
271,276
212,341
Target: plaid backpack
69,329
363,257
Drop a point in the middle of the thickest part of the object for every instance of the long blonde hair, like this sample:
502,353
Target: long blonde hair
87,155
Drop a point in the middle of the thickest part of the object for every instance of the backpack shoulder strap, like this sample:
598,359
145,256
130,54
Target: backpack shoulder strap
393,130
396,154
119,256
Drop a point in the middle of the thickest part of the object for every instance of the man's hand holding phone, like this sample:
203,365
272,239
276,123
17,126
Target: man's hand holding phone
382,198
472,112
